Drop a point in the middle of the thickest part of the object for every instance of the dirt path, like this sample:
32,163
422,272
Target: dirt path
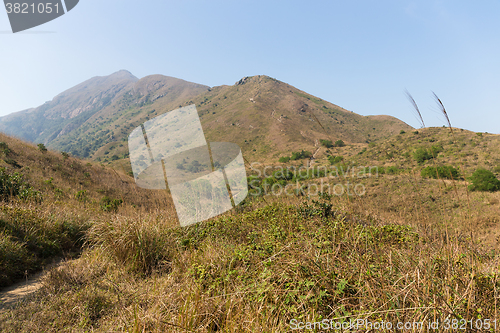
15,293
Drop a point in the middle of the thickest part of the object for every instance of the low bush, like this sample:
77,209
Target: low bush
12,185
326,143
421,155
335,159
300,155
110,205
392,170
81,196
484,180
41,147
442,172
339,143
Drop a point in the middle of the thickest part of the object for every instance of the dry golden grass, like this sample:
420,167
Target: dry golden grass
257,270
402,252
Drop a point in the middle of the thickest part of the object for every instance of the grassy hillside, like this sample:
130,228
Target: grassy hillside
266,117
411,249
48,201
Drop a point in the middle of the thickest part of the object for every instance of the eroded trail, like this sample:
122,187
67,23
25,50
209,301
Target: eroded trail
15,293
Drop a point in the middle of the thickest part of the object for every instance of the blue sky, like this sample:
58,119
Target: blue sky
360,55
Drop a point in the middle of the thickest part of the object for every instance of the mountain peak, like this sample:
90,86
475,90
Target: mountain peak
263,115
123,74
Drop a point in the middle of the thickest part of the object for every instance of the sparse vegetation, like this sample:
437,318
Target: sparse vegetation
298,155
81,195
110,205
12,162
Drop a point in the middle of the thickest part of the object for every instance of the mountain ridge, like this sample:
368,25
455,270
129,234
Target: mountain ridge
265,116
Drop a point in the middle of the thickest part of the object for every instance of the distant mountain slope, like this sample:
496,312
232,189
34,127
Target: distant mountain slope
266,117
273,117
147,97
68,109
80,119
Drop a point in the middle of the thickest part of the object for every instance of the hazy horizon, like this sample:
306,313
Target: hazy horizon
361,56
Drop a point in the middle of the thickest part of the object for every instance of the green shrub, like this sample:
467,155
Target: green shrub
421,155
41,147
300,155
284,159
339,143
13,185
484,180
5,148
435,150
402,132
295,156
335,159
326,143
65,155
30,194
58,193
81,195
306,154
447,172
254,185
110,205
392,170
